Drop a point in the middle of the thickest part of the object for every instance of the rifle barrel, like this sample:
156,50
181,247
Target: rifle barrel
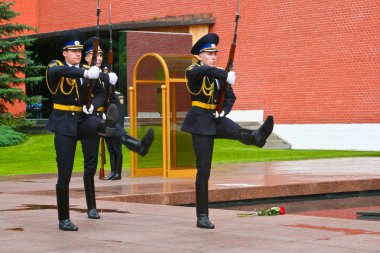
230,63
93,58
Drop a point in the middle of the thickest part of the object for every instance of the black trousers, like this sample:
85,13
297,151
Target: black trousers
114,144
203,146
65,147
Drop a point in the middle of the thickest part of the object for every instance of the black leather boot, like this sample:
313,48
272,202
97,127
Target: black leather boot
112,162
256,137
107,127
140,147
118,166
63,208
89,188
201,193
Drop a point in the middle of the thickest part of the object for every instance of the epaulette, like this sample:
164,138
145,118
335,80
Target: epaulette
55,63
192,66
86,66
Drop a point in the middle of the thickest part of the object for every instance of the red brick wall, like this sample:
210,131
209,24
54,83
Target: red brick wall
301,61
28,10
311,61
28,14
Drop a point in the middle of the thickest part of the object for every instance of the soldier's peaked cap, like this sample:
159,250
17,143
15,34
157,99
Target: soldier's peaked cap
89,46
207,43
71,40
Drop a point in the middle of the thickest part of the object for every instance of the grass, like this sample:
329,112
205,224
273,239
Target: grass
37,155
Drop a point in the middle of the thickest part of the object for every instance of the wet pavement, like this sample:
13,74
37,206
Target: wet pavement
139,214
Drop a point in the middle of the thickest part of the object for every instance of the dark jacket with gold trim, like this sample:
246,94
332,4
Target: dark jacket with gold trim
69,88
203,87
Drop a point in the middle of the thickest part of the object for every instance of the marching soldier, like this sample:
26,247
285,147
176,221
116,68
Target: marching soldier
71,120
120,136
114,144
205,123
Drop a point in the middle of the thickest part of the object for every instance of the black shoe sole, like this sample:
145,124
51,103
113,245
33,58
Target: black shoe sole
112,116
267,126
265,130
147,142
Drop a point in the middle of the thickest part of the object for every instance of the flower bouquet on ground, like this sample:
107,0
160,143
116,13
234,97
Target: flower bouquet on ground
276,210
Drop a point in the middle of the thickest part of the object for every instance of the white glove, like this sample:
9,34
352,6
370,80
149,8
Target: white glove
231,77
104,116
217,115
113,78
92,73
89,111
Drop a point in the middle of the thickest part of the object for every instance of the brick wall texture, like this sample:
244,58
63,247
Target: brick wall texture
301,61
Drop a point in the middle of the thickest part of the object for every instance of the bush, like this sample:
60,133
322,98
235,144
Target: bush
18,122
9,137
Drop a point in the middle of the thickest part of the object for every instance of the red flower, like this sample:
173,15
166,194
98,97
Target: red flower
282,210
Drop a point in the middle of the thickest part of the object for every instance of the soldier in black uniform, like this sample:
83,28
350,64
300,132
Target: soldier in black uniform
205,123
113,144
71,120
120,136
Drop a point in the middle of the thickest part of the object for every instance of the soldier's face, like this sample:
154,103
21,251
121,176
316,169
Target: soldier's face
73,56
99,59
208,58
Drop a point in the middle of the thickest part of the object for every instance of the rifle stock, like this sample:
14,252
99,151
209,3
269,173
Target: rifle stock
230,64
103,159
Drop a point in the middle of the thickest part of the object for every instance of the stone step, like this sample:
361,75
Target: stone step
280,144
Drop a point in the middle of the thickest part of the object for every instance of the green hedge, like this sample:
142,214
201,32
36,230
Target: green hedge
9,137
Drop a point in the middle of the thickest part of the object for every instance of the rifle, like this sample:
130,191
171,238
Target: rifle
230,63
109,91
103,159
94,58
94,61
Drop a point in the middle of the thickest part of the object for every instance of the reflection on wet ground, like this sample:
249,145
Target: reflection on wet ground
340,205
336,229
15,229
26,207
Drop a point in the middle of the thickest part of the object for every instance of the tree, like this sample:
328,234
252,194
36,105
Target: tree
16,65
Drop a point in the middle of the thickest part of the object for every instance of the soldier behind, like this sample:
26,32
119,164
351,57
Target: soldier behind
113,144
205,123
120,137
71,120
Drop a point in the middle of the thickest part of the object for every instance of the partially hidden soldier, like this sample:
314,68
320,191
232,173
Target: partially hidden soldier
113,144
205,123
70,121
120,136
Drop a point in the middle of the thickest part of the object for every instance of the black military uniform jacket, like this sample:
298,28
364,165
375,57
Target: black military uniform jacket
120,103
69,92
204,85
